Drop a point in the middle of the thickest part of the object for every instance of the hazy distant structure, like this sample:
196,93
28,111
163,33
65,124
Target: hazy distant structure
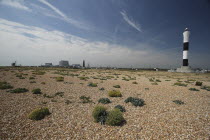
13,64
185,64
48,65
76,66
83,64
63,63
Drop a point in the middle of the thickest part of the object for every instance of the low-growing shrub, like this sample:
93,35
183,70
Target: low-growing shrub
32,81
180,84
197,83
102,88
116,86
36,91
154,83
135,101
19,90
121,108
179,102
53,100
84,78
85,99
59,79
206,88
39,114
38,72
92,84
100,114
115,118
104,101
5,85
43,83
61,94
194,89
134,82
31,78
157,80
48,96
115,93
129,99
68,102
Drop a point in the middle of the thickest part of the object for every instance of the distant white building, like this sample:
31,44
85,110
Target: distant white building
64,63
48,65
76,66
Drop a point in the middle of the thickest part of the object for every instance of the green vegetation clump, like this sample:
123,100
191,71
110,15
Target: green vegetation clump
36,91
121,108
179,102
197,83
68,102
5,85
102,88
157,80
39,114
134,82
100,114
59,79
85,99
38,72
180,84
194,89
83,78
135,101
104,101
116,86
53,100
43,83
32,81
115,118
19,90
115,93
206,88
31,78
154,83
92,84
48,96
61,94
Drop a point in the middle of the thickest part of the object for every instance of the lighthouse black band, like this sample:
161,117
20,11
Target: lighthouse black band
185,62
186,46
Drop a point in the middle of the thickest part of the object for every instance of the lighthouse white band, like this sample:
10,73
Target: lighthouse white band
185,54
186,35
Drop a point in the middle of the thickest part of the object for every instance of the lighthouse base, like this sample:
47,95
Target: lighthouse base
185,69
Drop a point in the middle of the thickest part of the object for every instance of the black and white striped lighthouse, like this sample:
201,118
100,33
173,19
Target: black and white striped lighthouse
186,35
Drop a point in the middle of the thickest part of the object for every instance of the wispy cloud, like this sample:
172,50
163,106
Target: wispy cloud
33,46
19,4
64,16
130,21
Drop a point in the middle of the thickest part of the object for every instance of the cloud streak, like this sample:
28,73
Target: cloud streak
34,46
19,4
64,17
130,21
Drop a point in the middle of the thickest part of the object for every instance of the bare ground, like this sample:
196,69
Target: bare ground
160,118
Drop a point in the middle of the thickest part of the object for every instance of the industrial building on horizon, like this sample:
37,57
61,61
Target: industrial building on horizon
63,63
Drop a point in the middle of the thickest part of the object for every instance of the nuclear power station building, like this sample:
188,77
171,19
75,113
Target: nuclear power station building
63,63
185,63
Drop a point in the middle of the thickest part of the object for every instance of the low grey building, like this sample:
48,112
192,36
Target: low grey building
64,63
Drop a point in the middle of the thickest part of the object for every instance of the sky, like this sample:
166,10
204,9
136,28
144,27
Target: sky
107,33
